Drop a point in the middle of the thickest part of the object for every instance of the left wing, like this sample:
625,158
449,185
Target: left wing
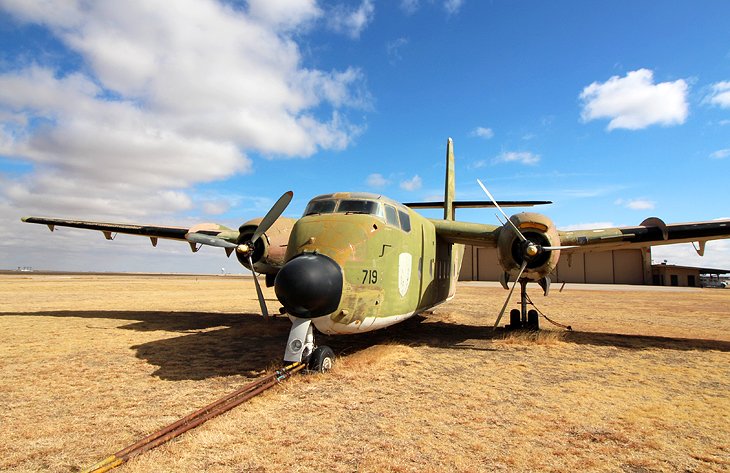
153,232
650,232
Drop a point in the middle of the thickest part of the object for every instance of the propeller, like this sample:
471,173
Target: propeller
247,248
530,249
494,201
259,293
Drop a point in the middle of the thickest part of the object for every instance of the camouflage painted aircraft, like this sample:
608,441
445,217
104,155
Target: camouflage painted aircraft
356,262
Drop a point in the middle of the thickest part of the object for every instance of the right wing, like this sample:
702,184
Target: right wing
153,232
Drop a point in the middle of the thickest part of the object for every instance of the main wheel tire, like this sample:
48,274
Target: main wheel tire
514,319
533,320
321,360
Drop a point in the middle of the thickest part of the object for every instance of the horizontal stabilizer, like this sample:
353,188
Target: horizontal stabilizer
477,204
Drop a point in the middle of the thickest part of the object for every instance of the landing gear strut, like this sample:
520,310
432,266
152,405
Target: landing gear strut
300,348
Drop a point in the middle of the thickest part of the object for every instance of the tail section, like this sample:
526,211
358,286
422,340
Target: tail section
450,191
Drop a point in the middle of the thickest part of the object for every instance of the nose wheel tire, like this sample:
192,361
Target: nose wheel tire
321,360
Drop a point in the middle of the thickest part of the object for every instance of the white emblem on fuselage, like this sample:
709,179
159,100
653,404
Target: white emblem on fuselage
405,261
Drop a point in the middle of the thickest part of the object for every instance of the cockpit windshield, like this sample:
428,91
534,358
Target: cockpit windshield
358,207
320,207
347,206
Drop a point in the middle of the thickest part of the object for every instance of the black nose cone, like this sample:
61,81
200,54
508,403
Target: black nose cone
309,285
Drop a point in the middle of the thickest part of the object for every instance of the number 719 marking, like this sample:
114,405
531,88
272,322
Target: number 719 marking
370,276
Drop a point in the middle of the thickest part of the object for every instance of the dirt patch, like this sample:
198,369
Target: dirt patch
91,364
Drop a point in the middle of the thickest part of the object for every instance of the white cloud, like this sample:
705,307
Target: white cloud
409,6
351,22
478,164
168,98
634,102
641,204
377,180
217,207
412,184
720,154
453,6
636,204
720,94
522,157
285,14
393,49
482,132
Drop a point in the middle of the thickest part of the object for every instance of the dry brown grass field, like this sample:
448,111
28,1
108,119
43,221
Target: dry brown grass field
90,364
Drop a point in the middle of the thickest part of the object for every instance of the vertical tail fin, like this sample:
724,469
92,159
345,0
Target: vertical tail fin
450,191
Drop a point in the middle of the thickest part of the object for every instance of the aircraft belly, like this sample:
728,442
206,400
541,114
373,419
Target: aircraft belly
330,327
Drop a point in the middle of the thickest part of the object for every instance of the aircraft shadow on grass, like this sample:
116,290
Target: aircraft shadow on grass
221,344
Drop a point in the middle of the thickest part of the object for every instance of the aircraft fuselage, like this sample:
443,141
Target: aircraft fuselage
391,262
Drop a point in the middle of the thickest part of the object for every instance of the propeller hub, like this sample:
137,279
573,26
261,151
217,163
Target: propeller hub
309,285
532,250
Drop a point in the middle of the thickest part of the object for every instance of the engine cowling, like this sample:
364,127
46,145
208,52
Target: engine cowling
512,251
269,250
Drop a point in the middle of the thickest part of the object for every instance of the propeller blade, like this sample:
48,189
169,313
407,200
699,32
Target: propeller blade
273,214
259,293
552,248
209,240
501,312
519,233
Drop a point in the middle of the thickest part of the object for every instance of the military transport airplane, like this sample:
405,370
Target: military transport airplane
356,262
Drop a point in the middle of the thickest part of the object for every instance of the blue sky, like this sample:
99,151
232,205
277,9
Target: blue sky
178,113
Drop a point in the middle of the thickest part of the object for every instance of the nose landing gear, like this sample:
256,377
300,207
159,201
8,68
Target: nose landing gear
301,348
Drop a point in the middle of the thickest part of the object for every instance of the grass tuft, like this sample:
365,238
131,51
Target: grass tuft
531,337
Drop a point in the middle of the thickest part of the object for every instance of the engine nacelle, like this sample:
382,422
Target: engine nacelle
540,230
270,249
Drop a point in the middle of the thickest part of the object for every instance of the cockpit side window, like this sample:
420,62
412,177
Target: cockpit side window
405,221
391,215
320,207
359,207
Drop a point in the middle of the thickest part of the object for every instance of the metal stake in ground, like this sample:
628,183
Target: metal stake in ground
196,418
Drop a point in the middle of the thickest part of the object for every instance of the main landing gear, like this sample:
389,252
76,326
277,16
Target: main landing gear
522,318
301,348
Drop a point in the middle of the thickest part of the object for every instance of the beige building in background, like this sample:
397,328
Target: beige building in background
632,266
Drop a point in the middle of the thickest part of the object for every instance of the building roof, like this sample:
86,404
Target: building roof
701,270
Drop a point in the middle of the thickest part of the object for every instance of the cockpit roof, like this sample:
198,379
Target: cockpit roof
358,196
346,203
